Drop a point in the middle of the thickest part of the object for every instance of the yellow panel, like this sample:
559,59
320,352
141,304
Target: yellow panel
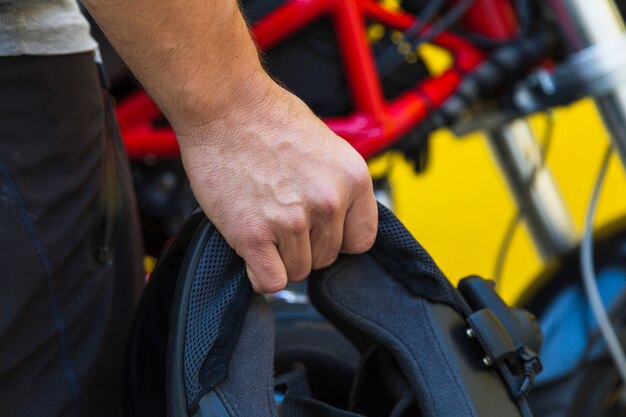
375,32
391,4
437,59
461,206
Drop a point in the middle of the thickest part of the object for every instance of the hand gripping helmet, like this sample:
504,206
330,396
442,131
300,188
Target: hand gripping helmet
385,335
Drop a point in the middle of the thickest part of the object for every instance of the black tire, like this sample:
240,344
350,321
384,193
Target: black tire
600,393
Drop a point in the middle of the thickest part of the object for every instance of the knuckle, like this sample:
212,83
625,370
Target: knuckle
260,231
360,173
365,182
331,204
251,239
296,222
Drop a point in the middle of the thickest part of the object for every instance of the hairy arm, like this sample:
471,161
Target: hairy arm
287,194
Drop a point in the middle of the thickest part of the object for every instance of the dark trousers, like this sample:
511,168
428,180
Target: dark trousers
70,254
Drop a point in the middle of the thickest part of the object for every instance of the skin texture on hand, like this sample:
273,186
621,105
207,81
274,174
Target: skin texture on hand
287,193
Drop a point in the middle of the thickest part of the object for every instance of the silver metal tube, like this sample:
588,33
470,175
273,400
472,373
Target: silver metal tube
587,23
547,216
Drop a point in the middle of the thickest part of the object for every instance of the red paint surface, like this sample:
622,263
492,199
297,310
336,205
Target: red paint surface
493,18
376,123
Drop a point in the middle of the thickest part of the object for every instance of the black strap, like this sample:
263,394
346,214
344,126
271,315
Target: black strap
294,382
408,262
294,406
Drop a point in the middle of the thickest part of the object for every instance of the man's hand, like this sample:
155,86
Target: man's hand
287,193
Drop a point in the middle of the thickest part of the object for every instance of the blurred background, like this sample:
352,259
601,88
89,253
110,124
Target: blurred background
460,208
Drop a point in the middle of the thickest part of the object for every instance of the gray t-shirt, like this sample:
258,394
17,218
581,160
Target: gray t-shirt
43,27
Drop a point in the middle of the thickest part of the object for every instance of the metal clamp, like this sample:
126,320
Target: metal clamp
594,71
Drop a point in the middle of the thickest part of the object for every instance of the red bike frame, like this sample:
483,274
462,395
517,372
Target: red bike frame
375,124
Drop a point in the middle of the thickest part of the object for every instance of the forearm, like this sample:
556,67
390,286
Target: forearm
195,58
285,191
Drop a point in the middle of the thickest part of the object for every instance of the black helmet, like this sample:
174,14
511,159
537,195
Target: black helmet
385,335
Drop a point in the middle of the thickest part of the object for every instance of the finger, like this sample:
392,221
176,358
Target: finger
361,224
265,268
326,241
295,252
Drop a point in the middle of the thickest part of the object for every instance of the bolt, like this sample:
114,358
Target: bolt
469,332
410,57
404,48
487,361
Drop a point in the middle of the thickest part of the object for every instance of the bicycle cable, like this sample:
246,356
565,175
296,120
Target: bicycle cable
589,276
447,20
391,55
507,238
427,13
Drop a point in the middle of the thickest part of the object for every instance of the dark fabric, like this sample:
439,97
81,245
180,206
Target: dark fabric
144,386
214,368
397,251
329,358
218,301
346,294
321,338
211,405
294,406
70,255
249,389
293,382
